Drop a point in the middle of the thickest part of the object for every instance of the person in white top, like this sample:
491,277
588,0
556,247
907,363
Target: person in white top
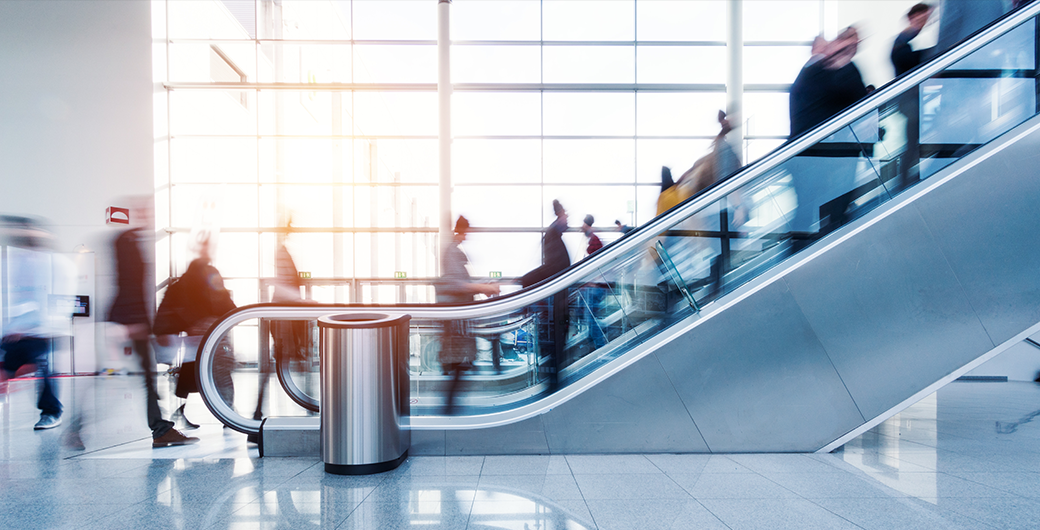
36,318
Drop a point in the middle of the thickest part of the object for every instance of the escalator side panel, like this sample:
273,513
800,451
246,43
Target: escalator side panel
637,410
520,438
889,311
987,227
756,378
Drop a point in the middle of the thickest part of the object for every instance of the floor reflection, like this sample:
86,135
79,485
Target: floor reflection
342,504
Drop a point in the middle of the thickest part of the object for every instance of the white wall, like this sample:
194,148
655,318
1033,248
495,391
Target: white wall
75,118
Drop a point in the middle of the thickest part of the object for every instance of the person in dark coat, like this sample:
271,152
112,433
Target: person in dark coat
555,318
131,310
203,300
824,88
904,59
192,304
828,85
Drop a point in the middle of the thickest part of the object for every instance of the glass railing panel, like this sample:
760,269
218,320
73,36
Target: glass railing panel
978,98
1015,50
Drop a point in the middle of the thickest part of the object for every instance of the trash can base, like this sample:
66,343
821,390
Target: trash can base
366,469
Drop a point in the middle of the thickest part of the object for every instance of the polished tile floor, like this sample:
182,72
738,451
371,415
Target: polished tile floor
966,457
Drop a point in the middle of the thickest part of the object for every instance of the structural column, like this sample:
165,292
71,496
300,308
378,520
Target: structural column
444,108
735,74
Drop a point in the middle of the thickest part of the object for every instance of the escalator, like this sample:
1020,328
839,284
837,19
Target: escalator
790,307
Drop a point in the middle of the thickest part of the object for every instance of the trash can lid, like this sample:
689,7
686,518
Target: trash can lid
362,320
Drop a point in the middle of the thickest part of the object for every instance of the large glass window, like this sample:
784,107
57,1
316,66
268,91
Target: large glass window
331,123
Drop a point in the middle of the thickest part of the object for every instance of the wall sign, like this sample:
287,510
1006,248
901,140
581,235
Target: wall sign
117,215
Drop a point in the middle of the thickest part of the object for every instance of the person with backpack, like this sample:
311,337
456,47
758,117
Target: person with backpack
191,305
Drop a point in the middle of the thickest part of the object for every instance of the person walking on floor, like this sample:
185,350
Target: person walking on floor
131,310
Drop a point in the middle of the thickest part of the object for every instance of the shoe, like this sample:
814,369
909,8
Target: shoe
47,421
178,415
173,437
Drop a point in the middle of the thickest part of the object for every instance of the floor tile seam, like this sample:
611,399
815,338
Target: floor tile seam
589,508
936,506
839,516
352,512
977,521
902,440
713,514
834,465
73,458
781,486
1013,494
221,522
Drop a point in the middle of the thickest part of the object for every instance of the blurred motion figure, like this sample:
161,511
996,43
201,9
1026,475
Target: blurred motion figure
191,305
904,59
130,309
290,336
35,320
824,173
458,348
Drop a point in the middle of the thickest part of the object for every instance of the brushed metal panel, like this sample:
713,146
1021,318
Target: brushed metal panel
636,411
294,436
889,311
986,225
756,379
523,438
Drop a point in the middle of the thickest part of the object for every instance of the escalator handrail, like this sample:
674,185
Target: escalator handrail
642,236
285,378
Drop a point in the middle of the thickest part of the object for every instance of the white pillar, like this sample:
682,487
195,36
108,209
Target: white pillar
735,74
444,107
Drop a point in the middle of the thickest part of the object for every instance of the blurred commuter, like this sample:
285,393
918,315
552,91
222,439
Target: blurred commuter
904,59
958,19
191,305
594,241
720,162
671,195
624,229
34,320
556,314
827,85
825,173
592,293
130,308
290,336
458,347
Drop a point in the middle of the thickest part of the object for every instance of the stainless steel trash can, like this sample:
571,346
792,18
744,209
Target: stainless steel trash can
364,392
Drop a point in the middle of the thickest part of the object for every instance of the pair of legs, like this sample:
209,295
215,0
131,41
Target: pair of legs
818,180
223,364
290,343
34,350
156,423
457,354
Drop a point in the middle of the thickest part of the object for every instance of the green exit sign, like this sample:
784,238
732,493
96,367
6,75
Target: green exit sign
400,275
305,275
495,274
